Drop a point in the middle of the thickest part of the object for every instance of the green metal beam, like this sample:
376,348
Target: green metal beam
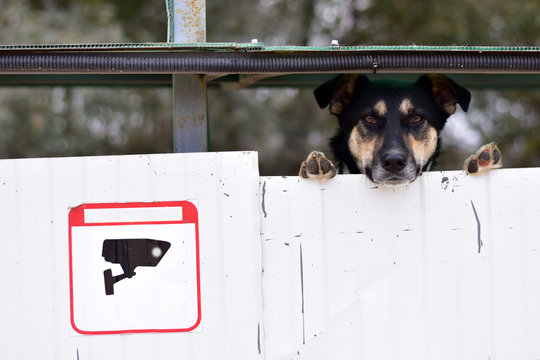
257,47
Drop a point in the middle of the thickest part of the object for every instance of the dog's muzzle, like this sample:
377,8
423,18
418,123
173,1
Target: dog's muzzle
393,168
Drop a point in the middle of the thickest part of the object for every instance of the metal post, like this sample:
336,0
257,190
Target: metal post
187,24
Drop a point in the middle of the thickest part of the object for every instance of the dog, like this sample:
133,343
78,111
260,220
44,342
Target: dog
389,130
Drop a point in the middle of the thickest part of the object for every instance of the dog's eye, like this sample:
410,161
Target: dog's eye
370,119
416,119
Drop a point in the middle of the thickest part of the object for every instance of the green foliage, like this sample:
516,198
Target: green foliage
282,124
83,121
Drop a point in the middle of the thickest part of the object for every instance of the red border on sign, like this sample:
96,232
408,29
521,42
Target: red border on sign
189,215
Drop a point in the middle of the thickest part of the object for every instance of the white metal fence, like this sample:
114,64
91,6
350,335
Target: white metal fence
447,267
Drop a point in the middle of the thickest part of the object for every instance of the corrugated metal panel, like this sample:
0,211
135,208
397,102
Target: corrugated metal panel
447,267
36,197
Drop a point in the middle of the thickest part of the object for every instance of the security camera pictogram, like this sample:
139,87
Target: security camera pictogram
130,253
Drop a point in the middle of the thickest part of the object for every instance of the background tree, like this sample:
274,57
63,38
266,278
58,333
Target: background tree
282,124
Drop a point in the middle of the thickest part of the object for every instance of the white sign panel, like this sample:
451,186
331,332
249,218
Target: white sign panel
134,267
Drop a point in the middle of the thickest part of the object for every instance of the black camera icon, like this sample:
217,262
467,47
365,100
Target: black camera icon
130,253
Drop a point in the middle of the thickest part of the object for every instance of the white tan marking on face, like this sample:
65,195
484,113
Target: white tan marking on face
423,150
380,108
361,150
406,106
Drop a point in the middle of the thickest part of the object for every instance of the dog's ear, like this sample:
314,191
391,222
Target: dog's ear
446,92
338,92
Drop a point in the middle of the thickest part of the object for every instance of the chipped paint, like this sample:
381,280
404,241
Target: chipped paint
444,182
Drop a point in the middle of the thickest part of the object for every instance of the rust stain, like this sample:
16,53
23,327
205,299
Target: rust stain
191,19
202,79
190,120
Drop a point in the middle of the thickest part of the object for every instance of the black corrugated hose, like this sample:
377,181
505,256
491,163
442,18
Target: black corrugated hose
265,62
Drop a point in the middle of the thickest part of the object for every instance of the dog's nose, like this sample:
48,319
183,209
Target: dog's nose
394,162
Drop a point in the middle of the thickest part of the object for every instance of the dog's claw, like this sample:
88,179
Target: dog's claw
317,166
486,158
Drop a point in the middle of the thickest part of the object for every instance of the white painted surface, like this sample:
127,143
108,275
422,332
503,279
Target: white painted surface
290,269
171,213
162,298
355,271
36,196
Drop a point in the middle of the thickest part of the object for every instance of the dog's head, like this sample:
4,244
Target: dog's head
390,129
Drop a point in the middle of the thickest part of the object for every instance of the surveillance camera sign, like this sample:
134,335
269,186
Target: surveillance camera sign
134,267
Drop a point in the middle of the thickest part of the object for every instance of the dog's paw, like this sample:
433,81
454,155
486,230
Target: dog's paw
486,158
317,166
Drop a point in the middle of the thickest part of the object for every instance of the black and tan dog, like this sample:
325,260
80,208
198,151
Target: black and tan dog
389,130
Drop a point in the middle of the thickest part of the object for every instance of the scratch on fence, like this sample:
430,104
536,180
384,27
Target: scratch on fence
302,288
259,337
263,199
478,228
